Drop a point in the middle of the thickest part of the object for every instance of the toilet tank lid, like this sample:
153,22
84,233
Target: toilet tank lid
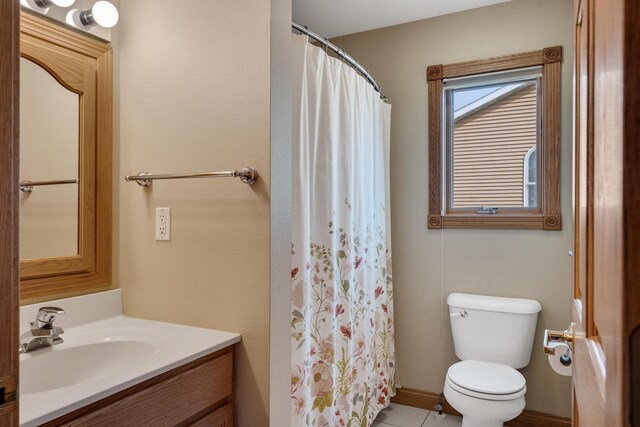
498,304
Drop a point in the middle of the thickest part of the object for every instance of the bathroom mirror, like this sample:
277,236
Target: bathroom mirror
65,160
49,150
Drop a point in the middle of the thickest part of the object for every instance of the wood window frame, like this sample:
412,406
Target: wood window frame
547,216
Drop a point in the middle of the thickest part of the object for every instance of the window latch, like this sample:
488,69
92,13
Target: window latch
487,210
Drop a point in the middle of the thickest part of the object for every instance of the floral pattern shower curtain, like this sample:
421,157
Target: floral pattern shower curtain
343,358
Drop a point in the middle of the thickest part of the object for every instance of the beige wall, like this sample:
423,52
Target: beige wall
193,82
430,264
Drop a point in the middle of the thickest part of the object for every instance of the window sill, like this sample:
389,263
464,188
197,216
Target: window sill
497,221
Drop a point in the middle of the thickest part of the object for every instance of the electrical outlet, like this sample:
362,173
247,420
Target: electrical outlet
163,224
162,216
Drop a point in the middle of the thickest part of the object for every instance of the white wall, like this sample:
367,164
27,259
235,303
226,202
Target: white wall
281,192
430,264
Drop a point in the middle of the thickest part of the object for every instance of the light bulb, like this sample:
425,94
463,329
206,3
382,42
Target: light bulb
102,13
43,5
62,3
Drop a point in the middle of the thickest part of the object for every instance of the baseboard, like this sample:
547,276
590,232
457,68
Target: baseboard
428,400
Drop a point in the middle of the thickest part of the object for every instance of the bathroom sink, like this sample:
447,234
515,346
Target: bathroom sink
103,353
60,367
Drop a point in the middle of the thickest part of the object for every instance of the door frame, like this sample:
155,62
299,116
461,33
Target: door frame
631,201
9,255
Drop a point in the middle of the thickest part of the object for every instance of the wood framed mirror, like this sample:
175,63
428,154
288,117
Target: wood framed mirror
66,138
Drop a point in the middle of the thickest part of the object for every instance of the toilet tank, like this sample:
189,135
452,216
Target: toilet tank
493,329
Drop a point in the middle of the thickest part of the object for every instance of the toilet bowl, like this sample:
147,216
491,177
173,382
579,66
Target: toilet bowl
485,386
487,394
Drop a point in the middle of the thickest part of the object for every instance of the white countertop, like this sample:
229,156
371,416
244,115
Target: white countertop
96,322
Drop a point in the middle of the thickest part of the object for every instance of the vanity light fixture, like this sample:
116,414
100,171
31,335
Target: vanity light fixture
101,13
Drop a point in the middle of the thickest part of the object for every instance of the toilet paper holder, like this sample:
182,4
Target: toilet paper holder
567,336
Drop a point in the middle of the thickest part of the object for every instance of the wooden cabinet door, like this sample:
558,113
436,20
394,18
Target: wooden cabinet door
606,309
168,402
9,264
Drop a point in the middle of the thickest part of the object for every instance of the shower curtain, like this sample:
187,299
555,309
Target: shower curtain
343,358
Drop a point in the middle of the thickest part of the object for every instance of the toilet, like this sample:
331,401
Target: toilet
492,337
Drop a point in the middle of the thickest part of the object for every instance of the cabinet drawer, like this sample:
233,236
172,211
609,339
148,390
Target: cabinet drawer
222,417
169,402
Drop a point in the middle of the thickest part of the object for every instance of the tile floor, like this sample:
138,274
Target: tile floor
406,416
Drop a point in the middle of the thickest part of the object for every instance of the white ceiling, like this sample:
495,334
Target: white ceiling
332,18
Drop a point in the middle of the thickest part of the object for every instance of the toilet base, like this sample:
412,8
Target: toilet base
483,413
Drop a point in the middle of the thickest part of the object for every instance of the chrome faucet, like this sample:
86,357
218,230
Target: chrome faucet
42,332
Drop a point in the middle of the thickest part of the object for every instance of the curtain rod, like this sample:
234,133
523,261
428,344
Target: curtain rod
341,53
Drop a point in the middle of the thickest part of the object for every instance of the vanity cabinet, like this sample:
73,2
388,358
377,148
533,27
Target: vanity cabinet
199,393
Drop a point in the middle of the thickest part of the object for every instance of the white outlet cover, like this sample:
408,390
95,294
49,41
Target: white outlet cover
163,224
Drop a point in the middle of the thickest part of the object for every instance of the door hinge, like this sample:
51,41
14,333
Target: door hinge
8,387
634,376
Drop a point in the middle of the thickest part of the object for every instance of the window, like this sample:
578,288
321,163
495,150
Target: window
492,122
494,139
530,167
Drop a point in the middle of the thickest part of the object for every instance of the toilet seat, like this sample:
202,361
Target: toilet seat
484,380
